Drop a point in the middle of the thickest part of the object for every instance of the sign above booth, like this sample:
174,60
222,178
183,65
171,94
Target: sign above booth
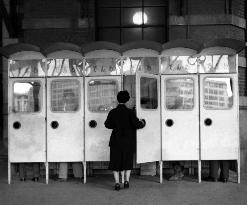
106,58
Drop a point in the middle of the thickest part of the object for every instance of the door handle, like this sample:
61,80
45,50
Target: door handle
208,122
54,124
169,122
92,123
16,125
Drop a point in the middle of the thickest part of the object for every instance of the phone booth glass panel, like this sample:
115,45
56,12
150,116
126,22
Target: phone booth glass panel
102,66
219,117
65,118
100,98
180,117
64,67
26,68
27,143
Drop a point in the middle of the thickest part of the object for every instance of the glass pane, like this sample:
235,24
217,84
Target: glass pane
27,97
65,95
178,64
102,95
155,15
102,66
149,93
108,3
129,3
131,16
218,93
131,34
108,17
145,64
154,34
179,94
65,67
26,68
109,34
155,3
217,64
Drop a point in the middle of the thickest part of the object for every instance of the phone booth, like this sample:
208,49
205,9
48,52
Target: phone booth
141,59
102,68
65,103
179,101
219,106
26,105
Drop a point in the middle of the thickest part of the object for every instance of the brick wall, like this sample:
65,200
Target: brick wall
238,8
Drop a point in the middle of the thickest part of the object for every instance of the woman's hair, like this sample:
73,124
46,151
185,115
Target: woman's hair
123,96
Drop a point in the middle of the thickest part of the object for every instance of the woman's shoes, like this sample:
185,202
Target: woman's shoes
117,187
126,184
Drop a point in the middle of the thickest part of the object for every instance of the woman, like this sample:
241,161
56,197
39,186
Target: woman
124,123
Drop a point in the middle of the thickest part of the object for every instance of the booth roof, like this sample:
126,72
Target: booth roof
11,49
100,45
60,46
175,47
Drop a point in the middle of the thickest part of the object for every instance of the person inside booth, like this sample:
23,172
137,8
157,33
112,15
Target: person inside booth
69,105
123,123
214,166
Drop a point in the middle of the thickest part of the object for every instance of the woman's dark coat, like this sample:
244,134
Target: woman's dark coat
124,123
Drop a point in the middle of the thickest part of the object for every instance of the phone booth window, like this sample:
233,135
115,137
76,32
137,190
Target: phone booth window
102,66
145,64
26,68
178,64
27,97
149,93
217,64
65,67
179,94
218,93
102,95
65,95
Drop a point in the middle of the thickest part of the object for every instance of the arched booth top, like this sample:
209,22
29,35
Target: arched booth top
183,47
21,51
225,46
25,60
141,56
64,59
101,49
62,50
141,49
102,58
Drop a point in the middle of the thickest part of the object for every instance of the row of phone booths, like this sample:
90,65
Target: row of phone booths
59,98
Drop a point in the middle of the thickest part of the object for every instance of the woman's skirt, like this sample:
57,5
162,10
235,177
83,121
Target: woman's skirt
120,159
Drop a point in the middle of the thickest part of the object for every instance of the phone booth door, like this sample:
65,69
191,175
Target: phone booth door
219,117
100,98
65,119
180,117
26,120
148,108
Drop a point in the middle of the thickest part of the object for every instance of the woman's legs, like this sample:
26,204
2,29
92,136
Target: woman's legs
122,176
127,175
116,176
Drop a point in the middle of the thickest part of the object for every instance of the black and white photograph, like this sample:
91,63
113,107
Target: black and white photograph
131,102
